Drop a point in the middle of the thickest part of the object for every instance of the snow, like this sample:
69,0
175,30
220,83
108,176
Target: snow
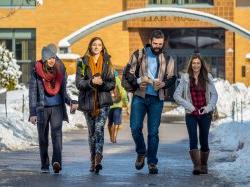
16,133
2,90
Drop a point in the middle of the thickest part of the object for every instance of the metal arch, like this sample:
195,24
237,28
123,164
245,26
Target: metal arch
65,43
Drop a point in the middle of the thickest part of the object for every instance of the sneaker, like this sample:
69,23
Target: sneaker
152,168
139,163
44,170
56,167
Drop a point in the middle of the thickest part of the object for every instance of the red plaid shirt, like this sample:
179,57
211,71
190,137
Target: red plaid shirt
198,98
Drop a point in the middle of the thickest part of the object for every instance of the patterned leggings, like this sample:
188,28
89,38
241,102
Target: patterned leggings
96,130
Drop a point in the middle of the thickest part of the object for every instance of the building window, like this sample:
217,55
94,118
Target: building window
243,71
180,2
16,3
23,45
199,2
242,3
166,2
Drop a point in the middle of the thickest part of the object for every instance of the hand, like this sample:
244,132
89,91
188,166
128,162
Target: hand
97,80
127,110
203,110
33,119
143,85
73,108
158,84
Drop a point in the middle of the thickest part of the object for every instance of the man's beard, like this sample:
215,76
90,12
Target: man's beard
156,52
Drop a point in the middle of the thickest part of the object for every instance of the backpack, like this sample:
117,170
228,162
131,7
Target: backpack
125,84
116,95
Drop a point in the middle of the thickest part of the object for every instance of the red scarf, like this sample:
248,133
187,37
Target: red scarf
51,81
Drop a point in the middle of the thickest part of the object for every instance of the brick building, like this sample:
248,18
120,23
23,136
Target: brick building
30,27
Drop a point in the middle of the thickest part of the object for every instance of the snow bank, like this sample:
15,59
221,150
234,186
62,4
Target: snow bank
231,148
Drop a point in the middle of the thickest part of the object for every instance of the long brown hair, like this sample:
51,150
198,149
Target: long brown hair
104,52
203,75
89,52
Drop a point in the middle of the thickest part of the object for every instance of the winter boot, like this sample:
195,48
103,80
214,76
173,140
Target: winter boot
140,161
195,157
98,164
204,158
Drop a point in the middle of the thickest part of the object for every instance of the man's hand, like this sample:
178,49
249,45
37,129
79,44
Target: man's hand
158,84
33,119
143,86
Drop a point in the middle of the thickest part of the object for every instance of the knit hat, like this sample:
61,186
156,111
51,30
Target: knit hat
47,54
52,47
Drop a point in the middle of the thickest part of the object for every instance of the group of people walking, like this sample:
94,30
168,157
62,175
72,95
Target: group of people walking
148,74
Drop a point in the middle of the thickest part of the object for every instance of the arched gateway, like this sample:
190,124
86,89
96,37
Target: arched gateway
65,43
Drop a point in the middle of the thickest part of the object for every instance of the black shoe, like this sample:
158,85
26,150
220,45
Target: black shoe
139,163
56,167
152,168
98,167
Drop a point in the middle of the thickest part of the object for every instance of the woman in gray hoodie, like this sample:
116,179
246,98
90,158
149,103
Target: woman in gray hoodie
197,94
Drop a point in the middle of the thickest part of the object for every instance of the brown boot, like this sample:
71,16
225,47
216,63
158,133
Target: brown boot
139,163
204,158
195,157
92,163
98,164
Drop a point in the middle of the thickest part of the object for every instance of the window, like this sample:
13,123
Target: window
23,45
242,3
166,2
8,3
181,2
198,2
197,38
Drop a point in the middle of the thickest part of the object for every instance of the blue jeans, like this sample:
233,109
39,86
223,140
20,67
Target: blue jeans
204,122
151,106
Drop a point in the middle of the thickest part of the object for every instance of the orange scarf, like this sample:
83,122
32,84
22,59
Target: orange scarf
96,68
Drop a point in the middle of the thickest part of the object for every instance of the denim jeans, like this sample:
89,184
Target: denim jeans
152,106
204,122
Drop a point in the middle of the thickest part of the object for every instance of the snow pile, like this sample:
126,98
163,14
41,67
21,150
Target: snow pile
15,130
230,146
230,95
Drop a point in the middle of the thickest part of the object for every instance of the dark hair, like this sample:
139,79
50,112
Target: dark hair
157,34
104,49
203,76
